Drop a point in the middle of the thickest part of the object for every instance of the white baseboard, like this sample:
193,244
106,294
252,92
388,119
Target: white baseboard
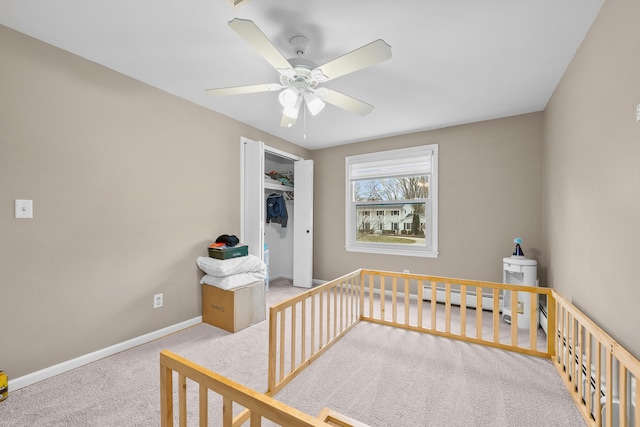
60,368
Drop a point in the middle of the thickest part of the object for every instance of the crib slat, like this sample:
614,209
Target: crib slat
166,396
587,392
394,300
255,421
227,411
351,302
353,307
313,326
637,417
282,339
562,337
371,296
357,308
406,301
514,318
335,309
578,357
182,399
552,326
342,292
345,305
360,285
382,297
463,310
609,387
571,345
328,315
479,312
303,328
273,349
203,414
447,307
496,315
433,305
293,338
353,298
622,397
598,407
320,321
420,291
533,321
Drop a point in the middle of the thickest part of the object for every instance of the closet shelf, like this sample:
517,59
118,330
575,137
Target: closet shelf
271,185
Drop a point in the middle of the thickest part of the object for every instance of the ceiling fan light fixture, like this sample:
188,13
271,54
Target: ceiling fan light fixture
293,110
314,103
289,97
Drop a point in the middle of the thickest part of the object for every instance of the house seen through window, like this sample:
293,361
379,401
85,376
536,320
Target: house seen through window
391,202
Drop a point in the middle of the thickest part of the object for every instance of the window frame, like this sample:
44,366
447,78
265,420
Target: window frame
430,249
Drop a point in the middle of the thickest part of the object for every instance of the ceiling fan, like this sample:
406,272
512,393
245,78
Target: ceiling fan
300,78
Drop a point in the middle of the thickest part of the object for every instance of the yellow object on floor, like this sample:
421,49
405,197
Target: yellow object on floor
4,386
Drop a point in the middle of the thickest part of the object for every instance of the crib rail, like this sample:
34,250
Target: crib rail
601,376
303,327
424,303
259,405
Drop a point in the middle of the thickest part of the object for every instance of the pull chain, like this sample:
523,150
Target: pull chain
304,122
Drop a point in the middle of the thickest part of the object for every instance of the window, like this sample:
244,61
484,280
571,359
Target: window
392,203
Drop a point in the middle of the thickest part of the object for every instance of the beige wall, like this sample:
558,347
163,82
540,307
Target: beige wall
592,175
129,186
490,187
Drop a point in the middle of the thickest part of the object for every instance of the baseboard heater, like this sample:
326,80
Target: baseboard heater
589,378
487,299
543,317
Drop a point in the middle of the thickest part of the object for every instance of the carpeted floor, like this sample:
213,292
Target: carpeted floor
385,376
124,389
377,374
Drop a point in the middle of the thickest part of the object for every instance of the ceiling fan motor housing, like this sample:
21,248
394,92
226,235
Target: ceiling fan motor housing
300,45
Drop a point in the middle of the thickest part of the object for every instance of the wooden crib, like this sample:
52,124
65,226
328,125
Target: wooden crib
601,376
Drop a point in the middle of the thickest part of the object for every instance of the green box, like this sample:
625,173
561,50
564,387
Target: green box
228,253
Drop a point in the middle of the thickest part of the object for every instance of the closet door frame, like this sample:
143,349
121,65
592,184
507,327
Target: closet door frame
252,211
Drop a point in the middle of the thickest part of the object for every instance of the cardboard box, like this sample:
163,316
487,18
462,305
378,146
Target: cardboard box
235,309
228,253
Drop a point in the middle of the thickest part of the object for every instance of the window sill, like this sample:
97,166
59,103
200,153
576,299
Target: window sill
393,251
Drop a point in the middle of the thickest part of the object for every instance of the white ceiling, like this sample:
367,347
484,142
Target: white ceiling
454,61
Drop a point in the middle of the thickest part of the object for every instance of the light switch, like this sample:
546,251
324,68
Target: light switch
24,208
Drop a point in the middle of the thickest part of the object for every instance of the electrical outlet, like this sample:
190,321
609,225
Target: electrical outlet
157,301
638,113
405,271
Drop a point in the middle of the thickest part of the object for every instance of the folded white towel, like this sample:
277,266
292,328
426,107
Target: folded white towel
227,267
233,281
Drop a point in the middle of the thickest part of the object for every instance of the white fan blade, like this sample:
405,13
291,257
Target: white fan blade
358,59
256,38
240,90
287,121
346,102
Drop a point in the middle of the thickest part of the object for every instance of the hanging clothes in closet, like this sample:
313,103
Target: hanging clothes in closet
276,209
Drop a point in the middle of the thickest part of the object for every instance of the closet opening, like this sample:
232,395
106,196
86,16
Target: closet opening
277,211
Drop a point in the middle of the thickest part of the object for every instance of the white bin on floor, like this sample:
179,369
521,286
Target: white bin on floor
520,271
